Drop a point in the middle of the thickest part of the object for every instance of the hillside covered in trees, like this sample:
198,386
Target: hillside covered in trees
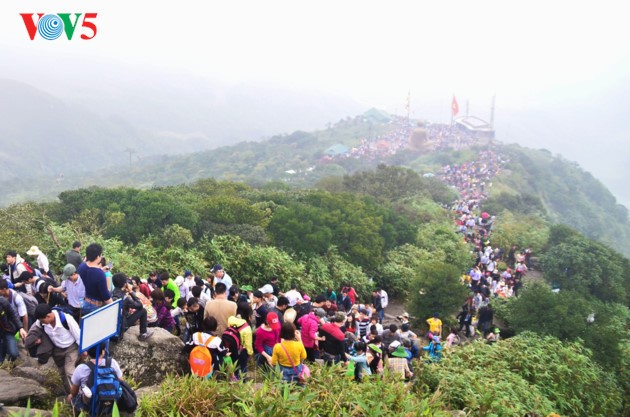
364,203
392,227
531,182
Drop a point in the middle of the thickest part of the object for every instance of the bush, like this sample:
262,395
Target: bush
328,393
524,374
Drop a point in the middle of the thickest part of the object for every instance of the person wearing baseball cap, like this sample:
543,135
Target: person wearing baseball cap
267,335
270,300
221,276
72,285
273,321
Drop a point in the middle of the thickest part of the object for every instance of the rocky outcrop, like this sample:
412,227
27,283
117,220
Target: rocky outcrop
19,411
146,362
149,362
15,389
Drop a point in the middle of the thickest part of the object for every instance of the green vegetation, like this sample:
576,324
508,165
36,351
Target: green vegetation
525,374
328,393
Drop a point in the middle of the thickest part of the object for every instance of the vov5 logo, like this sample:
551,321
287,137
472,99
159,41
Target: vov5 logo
51,26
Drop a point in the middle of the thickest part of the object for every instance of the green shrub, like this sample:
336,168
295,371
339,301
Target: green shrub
527,373
328,393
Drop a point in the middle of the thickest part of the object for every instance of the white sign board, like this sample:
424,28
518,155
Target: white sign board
100,325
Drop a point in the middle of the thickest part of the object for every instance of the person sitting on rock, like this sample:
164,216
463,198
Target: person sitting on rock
123,291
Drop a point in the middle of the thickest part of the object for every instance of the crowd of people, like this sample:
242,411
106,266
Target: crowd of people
443,136
381,146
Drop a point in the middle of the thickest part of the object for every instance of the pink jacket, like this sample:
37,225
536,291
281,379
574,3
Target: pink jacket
310,325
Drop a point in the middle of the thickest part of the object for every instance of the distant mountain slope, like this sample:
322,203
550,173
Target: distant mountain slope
568,194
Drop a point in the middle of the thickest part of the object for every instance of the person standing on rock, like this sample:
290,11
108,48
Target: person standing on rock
96,290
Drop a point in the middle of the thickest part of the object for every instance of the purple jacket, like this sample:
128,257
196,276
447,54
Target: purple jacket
165,320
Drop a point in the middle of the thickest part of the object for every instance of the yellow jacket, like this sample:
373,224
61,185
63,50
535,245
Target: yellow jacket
246,333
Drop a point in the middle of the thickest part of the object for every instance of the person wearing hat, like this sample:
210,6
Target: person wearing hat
404,318
267,335
42,260
72,289
397,362
435,349
270,299
221,276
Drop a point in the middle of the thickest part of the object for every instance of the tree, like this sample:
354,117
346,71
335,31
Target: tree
587,267
436,288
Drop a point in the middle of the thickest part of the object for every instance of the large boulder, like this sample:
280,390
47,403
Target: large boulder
22,412
149,362
15,389
46,376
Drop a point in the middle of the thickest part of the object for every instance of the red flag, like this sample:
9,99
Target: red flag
454,107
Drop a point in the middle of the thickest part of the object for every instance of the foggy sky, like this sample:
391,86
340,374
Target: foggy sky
559,69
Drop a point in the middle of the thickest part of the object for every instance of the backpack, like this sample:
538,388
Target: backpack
107,389
29,301
31,304
62,316
235,333
200,358
28,267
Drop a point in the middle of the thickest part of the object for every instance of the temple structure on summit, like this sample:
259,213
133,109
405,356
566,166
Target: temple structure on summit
481,128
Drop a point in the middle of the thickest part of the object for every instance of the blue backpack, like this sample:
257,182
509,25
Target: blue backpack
107,389
62,316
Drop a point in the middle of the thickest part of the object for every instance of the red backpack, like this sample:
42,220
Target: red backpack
200,358
235,333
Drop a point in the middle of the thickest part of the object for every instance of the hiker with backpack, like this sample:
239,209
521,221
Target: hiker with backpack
237,338
65,335
16,267
101,390
205,349
123,291
17,302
